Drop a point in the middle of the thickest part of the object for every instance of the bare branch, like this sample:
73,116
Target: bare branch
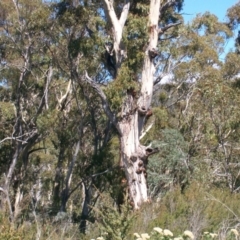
146,131
111,13
70,168
63,100
44,100
2,190
164,29
118,25
13,138
48,79
92,176
16,7
36,149
171,37
124,14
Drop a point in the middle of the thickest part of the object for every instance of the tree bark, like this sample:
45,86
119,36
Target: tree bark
85,207
65,192
117,26
134,156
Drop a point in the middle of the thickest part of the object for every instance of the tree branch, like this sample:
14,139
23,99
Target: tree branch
36,149
92,176
105,103
44,99
167,5
2,190
146,131
8,202
124,14
164,29
111,13
118,25
14,138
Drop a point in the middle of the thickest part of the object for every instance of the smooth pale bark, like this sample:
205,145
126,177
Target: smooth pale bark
66,190
117,25
134,156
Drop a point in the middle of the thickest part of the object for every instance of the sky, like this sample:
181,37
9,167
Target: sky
218,7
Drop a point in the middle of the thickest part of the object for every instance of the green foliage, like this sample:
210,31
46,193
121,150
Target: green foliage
195,175
135,38
9,232
233,15
161,118
46,229
116,90
170,14
7,111
114,223
170,166
198,209
231,66
210,25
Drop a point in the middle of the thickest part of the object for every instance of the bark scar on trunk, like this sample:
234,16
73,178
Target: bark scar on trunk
150,151
133,158
153,53
142,111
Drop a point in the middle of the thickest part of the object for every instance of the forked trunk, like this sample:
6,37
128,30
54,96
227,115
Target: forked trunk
130,126
134,155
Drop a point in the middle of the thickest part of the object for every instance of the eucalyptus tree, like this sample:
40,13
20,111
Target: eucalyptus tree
118,48
207,95
133,30
233,23
27,73
81,133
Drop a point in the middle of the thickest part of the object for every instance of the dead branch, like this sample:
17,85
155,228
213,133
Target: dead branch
164,29
14,138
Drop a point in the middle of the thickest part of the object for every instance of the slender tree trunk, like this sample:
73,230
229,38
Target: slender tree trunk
8,180
65,192
85,207
58,180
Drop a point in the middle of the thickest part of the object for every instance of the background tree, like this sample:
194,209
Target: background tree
27,71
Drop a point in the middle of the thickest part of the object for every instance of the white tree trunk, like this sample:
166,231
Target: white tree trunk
134,159
134,156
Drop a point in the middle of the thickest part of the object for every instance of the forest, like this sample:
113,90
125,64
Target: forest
118,121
